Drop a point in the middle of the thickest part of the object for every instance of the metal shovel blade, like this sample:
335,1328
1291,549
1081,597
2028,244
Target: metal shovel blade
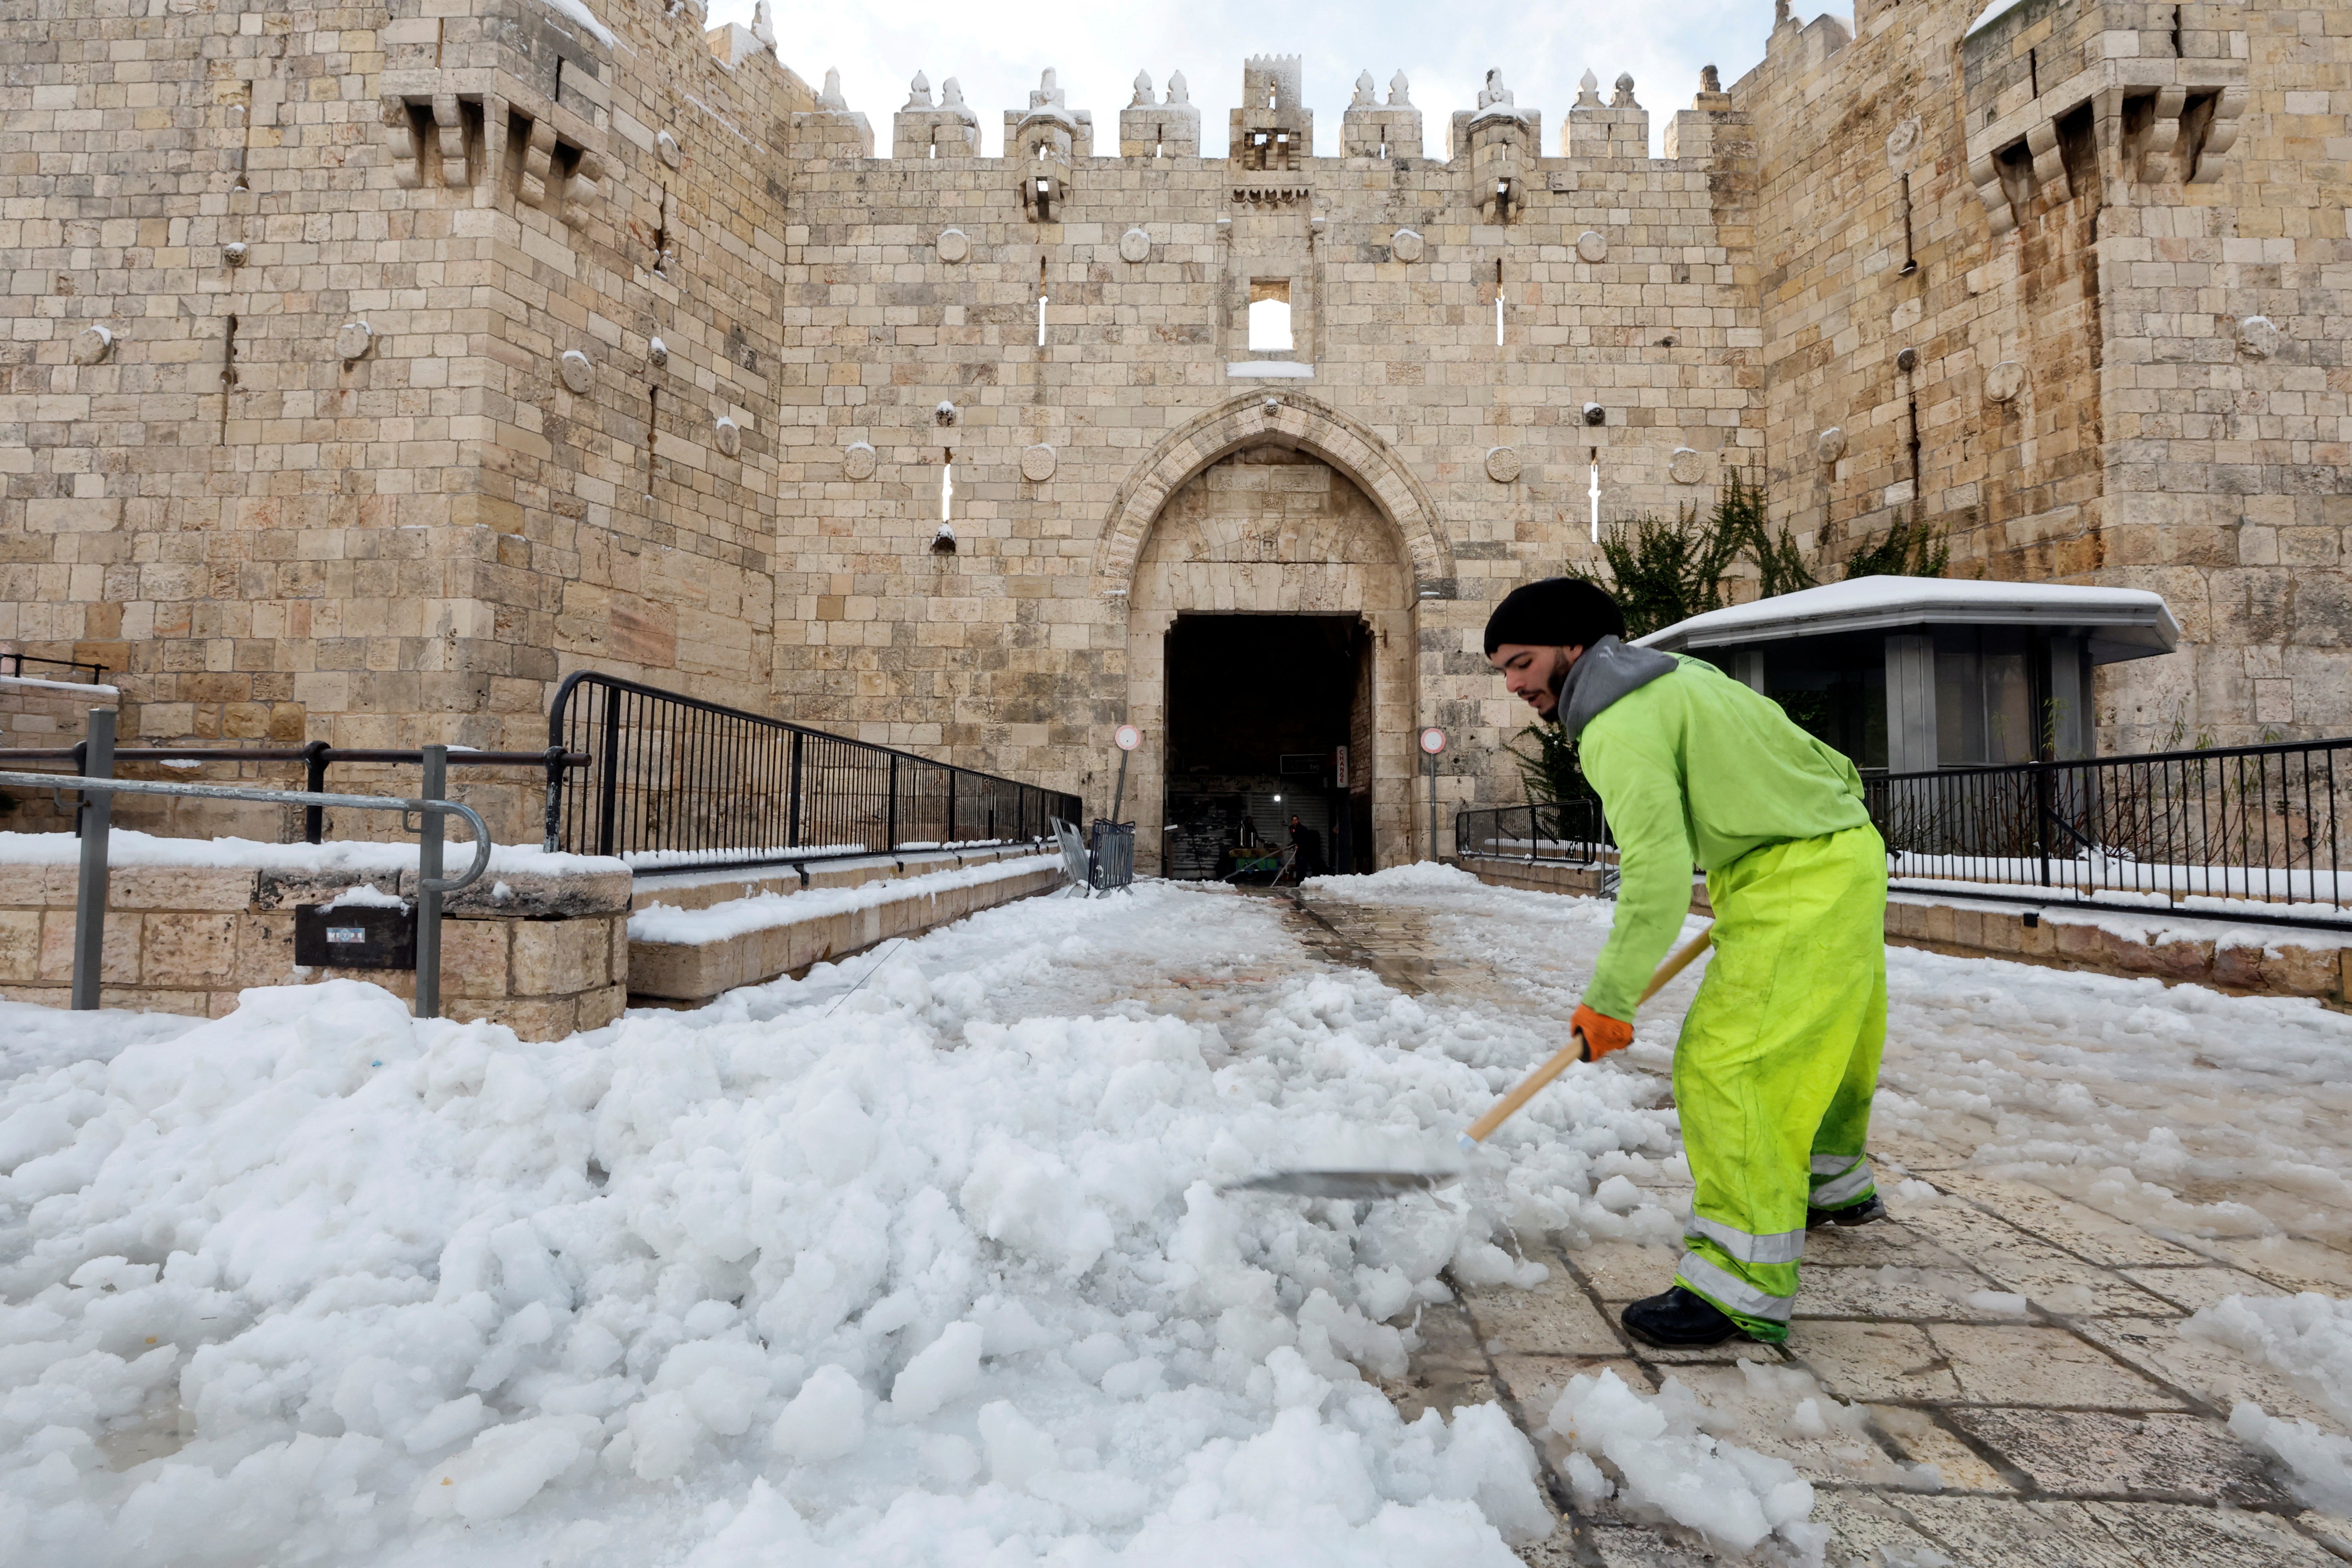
1346,1183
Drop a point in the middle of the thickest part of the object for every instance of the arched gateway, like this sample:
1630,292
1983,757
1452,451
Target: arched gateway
1270,553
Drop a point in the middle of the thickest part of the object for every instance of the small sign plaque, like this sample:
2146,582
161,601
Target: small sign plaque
356,936
1432,740
1129,737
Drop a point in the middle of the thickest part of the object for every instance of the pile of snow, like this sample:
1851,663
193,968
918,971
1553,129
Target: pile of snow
944,1276
36,1039
2308,1338
1667,1464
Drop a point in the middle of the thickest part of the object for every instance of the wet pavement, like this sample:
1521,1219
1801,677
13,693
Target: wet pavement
1996,1372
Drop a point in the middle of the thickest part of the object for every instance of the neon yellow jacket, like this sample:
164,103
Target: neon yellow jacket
1692,767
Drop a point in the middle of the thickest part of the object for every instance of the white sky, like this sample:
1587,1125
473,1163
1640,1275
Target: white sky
996,50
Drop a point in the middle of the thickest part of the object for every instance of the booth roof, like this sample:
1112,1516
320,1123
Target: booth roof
2120,622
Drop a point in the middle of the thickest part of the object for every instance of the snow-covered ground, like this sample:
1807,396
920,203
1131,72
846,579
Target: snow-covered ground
926,1261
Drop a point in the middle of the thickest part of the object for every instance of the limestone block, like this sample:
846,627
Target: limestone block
118,954
597,1008
265,949
180,888
2303,970
20,945
2085,944
558,958
2238,965
292,889
530,1018
191,949
474,956
533,895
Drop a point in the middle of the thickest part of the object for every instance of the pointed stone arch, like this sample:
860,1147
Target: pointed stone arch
1265,419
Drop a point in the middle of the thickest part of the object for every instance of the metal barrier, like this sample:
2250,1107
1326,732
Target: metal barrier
2260,825
675,781
97,782
316,758
1570,832
1111,856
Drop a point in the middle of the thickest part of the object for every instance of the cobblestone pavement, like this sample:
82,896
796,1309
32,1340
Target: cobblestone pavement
2074,1427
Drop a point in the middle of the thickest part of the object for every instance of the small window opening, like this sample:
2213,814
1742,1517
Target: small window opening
2138,130
1910,261
227,375
2196,126
1384,151
661,232
652,429
1594,494
2033,70
947,486
1269,315
2078,150
1498,295
2176,32
1042,298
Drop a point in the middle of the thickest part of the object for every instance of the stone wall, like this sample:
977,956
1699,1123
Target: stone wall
544,954
370,370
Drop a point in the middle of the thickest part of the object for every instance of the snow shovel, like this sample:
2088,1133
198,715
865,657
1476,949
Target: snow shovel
1390,1183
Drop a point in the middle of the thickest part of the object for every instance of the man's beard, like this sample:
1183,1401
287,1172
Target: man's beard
1550,711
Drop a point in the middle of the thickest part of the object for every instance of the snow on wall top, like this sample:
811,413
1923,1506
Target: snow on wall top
8,683
2124,623
127,847
577,11
1989,15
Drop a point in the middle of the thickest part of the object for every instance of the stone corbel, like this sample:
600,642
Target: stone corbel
584,191
538,164
2048,167
1984,172
2163,132
449,131
2219,137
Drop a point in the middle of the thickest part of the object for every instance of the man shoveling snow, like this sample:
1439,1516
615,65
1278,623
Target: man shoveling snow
1778,1055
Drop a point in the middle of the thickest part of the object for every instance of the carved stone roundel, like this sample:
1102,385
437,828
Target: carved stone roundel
857,460
92,344
1687,466
351,340
2004,381
2258,336
578,373
1592,246
1901,142
1037,463
1135,245
667,144
1405,244
953,245
1830,446
1501,464
730,435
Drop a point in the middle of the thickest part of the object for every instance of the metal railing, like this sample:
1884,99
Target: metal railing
97,782
675,781
1111,855
1570,832
2253,834
316,758
15,663
2204,832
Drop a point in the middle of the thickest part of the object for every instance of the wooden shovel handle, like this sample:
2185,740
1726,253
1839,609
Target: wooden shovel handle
1507,1107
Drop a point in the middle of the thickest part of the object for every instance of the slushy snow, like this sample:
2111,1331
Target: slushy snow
2308,1337
935,1272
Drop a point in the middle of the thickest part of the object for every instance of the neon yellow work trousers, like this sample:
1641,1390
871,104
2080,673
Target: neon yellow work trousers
1777,1064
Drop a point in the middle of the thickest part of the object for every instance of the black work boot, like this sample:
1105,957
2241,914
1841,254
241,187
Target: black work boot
1867,1211
1676,1321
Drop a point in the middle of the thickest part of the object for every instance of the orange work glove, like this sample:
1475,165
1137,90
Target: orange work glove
1602,1032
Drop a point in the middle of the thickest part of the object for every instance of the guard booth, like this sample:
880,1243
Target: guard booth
1907,675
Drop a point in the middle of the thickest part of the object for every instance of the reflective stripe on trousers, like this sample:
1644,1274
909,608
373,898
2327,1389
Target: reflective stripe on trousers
1730,1292
1848,1180
1783,1246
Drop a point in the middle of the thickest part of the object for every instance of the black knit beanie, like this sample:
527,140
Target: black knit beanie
1558,612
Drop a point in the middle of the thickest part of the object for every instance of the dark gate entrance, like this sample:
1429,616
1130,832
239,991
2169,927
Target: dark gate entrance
1269,718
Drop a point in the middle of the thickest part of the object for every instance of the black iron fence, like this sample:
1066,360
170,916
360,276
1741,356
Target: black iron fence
2240,833
675,781
2210,831
1569,832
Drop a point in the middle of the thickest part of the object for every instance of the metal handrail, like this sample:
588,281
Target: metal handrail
700,785
97,824
97,672
316,757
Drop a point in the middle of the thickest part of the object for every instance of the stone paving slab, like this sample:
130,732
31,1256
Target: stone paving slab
2075,1428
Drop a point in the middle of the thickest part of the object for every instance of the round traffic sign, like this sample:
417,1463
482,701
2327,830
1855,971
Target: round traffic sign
1129,737
1432,740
